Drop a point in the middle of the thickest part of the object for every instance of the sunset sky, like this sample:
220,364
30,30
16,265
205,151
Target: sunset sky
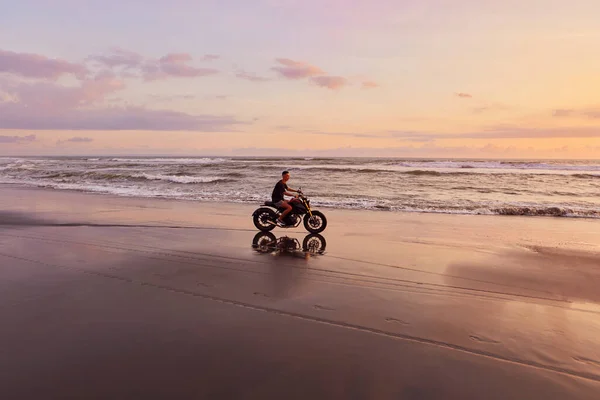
427,78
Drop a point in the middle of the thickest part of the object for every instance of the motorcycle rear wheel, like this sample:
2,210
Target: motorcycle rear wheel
262,218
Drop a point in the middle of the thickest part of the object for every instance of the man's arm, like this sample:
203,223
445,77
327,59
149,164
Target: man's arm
288,190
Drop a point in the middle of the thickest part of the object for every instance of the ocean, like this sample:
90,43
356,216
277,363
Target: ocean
561,188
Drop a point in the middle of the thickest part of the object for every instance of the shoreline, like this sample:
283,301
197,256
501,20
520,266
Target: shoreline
317,206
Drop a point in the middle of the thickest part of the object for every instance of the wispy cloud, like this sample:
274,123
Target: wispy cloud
291,69
175,58
288,128
490,107
507,132
76,140
563,112
463,95
251,77
425,150
48,105
37,66
297,70
592,113
369,85
499,132
174,65
118,57
330,82
18,139
14,116
49,96
174,97
210,57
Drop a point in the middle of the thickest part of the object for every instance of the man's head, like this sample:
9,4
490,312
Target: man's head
285,176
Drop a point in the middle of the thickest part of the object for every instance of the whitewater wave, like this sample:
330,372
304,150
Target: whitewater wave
394,205
426,172
206,160
568,189
546,212
586,176
437,168
512,165
119,175
184,179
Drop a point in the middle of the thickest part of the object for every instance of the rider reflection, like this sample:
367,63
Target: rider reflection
313,244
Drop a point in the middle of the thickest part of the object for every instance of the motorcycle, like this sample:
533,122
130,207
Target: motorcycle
265,242
265,218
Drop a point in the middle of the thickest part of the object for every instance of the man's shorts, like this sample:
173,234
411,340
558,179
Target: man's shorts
279,204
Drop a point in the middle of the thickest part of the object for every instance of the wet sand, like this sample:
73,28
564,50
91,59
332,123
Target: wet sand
105,297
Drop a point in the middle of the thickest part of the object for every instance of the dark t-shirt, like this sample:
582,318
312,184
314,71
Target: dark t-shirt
278,191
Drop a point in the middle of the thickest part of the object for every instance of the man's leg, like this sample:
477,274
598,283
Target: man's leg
287,208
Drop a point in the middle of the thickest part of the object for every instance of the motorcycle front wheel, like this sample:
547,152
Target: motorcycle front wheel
262,218
315,223
314,244
264,242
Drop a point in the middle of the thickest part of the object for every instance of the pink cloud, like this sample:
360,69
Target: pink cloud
170,65
504,132
47,106
52,97
158,97
562,112
291,69
186,71
592,113
174,65
77,140
464,95
17,116
38,66
176,58
330,82
97,90
427,150
369,85
251,77
17,139
490,107
119,57
210,57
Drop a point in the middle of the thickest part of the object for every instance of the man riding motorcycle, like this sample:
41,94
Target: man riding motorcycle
288,213
281,189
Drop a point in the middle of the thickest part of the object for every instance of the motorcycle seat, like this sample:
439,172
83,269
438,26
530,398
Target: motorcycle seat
269,204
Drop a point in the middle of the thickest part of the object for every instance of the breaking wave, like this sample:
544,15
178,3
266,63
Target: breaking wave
184,179
546,212
566,189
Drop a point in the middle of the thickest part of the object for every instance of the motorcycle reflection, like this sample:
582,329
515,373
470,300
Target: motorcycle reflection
312,245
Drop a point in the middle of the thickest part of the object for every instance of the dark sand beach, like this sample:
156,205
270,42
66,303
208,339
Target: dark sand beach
120,298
